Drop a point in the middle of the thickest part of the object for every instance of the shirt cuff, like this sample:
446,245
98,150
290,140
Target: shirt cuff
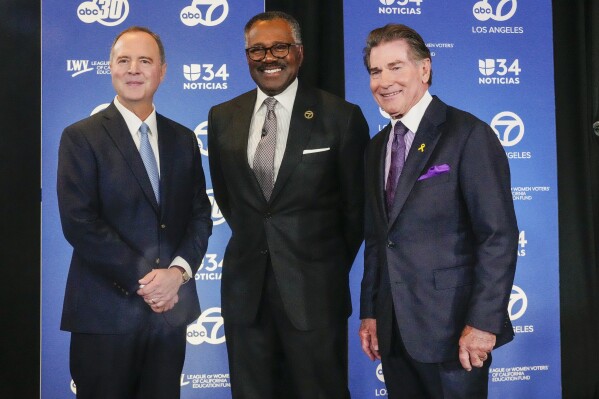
179,261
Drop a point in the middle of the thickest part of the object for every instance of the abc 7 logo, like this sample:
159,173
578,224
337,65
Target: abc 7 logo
99,108
217,216
107,13
201,131
513,125
191,15
384,114
379,372
198,332
483,11
73,387
518,303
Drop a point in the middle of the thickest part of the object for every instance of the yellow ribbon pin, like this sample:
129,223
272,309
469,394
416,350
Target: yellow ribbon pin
421,148
308,114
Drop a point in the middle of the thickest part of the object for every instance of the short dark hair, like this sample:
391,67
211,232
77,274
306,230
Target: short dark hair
392,32
269,16
145,30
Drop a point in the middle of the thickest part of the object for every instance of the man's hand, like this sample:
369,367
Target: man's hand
159,288
369,339
475,345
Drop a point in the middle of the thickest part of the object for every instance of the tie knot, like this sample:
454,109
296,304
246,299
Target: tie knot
270,103
400,129
144,128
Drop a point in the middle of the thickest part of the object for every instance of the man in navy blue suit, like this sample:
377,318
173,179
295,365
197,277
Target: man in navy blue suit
133,205
441,233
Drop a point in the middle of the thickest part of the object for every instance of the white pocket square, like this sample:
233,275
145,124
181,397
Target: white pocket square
312,151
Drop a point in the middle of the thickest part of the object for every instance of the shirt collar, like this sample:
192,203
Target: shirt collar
285,98
413,117
133,122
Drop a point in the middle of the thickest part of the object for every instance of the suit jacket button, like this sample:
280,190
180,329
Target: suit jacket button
157,261
390,244
264,251
163,226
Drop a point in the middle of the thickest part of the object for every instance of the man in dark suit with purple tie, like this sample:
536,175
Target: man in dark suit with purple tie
133,205
441,233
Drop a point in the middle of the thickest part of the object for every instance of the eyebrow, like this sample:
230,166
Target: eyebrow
394,63
128,57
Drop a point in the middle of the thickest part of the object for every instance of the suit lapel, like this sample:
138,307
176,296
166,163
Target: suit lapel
166,149
119,132
424,143
380,151
300,129
238,133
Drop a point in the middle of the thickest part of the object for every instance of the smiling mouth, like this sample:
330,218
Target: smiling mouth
272,69
386,95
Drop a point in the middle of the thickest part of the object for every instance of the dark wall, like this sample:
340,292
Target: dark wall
20,196
576,41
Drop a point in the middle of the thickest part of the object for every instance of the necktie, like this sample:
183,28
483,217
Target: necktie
398,156
147,156
264,158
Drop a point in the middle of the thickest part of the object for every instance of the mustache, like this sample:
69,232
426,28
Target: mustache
263,67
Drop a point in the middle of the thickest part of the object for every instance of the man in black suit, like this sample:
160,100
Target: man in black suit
441,233
286,163
133,205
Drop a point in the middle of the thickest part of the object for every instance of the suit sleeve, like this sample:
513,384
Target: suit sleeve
370,279
195,242
219,186
486,187
351,177
93,240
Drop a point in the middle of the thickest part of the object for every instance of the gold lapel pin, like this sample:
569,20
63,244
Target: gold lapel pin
421,148
308,114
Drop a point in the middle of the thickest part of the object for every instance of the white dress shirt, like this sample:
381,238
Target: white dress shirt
412,120
283,109
133,123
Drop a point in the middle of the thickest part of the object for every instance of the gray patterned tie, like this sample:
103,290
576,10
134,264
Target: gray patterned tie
149,160
264,158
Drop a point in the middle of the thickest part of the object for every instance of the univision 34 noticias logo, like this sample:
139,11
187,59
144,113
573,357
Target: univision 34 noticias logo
499,71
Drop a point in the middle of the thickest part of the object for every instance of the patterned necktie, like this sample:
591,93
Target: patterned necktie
398,156
264,158
147,156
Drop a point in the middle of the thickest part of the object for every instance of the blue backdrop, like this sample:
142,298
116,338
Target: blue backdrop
493,58
206,65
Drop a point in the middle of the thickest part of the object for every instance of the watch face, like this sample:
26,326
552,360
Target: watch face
186,277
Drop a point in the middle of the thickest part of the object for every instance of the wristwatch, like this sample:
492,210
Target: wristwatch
186,276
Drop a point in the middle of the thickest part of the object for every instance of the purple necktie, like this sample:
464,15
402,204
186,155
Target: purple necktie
398,156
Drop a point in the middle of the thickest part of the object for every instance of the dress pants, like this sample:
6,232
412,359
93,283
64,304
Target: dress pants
271,359
146,364
406,378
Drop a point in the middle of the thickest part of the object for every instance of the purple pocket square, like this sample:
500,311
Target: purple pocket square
434,171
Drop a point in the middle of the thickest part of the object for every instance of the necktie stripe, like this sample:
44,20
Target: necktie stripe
149,160
398,156
264,157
